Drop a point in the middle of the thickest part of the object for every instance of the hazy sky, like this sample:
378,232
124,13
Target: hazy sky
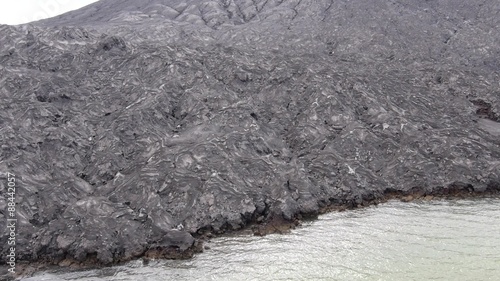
22,11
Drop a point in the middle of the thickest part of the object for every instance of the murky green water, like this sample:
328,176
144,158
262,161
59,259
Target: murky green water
442,240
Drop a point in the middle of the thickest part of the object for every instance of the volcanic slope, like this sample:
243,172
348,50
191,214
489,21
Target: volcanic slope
132,126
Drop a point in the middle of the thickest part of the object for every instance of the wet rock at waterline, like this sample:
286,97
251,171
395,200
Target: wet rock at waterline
136,127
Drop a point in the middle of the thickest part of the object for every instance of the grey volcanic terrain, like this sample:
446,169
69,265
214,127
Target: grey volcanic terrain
136,128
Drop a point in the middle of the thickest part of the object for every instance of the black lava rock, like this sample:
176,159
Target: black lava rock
135,125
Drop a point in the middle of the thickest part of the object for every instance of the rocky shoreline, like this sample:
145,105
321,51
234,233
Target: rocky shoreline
136,129
259,228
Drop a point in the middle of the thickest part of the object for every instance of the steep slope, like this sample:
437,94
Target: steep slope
133,126
406,30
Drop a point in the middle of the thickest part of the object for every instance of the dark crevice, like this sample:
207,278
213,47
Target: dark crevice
485,110
326,10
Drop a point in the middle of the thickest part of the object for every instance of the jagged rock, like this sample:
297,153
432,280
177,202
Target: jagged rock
139,124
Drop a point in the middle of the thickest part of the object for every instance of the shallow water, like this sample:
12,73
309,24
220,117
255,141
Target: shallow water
438,240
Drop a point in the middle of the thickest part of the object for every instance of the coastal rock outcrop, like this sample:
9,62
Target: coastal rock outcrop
136,127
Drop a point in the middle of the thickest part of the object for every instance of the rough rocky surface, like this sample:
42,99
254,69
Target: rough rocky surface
134,126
